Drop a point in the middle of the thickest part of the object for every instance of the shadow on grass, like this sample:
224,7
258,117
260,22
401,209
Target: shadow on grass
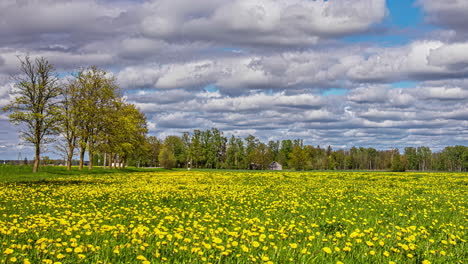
19,173
49,182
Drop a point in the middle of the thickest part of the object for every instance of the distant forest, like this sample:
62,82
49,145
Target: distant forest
211,149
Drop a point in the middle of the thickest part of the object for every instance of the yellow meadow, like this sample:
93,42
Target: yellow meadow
236,217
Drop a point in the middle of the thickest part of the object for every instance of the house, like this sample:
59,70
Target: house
275,166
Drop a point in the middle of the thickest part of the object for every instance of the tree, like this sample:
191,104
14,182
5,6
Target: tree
298,158
96,97
166,158
231,154
177,147
123,134
412,158
35,105
262,156
68,127
273,147
424,157
397,165
284,152
196,148
154,149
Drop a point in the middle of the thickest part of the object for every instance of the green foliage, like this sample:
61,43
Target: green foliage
397,165
166,157
298,159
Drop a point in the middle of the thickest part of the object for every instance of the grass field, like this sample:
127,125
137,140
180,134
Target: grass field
234,217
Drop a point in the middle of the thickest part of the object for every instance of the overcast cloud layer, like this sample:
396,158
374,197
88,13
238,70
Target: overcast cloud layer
318,70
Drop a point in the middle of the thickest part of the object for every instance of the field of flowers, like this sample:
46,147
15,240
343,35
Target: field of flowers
236,217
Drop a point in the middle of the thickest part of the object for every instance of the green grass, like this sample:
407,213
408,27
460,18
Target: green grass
12,173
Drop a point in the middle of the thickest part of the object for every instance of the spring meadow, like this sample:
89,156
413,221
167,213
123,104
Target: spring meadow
233,131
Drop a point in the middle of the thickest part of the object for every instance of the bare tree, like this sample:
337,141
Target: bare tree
35,104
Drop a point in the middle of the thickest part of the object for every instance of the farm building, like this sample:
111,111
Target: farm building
275,166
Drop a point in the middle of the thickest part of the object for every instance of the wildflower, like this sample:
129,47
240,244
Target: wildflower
327,250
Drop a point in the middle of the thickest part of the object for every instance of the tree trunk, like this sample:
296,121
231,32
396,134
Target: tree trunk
90,154
104,163
111,161
37,159
70,156
82,154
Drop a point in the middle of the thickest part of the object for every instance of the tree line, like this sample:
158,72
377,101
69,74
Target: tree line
210,149
85,113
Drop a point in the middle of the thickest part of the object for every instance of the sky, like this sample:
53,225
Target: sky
372,73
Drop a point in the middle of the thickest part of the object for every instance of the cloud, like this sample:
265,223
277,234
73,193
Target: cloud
451,56
240,74
161,97
61,60
265,22
459,114
419,60
443,93
312,69
369,94
269,64
54,16
394,115
451,14
262,102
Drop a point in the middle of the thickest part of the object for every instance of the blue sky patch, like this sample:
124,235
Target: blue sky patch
335,91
